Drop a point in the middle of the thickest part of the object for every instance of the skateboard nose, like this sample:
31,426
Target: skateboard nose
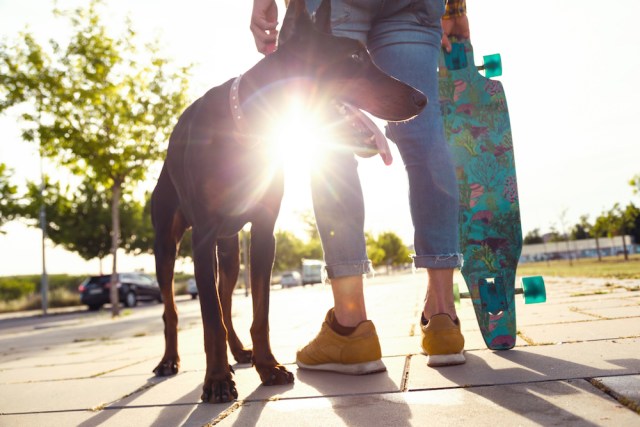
419,100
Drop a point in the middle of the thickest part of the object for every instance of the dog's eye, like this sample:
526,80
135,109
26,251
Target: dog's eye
358,56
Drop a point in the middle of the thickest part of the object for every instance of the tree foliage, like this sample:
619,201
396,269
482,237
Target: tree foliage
79,219
102,105
533,237
8,196
394,249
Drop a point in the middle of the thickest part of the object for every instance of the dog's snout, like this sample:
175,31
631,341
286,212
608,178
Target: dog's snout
420,100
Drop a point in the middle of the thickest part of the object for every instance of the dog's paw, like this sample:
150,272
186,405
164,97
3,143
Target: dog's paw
167,367
243,356
219,391
275,375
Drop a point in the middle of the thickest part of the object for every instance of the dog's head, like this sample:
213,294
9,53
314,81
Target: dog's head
342,67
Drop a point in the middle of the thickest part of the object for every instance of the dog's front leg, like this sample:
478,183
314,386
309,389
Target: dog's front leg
262,256
218,383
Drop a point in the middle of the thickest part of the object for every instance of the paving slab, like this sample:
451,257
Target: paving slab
530,364
594,330
625,388
571,403
186,388
55,374
620,312
68,395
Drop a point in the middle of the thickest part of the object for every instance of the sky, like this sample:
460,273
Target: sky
570,72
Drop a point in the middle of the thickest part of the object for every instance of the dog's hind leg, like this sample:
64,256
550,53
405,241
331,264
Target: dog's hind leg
218,383
228,270
169,225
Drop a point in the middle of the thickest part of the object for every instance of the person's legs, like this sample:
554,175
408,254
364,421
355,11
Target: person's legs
433,189
409,48
337,194
339,210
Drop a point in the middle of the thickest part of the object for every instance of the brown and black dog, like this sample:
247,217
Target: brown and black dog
218,176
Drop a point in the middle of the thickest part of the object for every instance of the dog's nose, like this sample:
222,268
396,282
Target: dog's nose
420,100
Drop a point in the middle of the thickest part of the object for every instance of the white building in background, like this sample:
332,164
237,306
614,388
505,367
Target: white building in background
578,249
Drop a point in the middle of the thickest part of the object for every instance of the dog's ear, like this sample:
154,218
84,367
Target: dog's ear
296,21
322,17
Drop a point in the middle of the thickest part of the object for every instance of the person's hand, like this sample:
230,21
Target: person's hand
457,26
264,25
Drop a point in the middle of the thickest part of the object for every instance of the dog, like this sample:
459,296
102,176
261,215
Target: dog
218,175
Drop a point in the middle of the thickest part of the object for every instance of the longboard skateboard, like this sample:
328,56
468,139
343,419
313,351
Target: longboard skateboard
478,130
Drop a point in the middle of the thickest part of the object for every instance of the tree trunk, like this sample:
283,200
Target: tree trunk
624,248
598,248
116,190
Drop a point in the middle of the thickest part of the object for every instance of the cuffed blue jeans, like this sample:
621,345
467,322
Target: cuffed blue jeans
403,37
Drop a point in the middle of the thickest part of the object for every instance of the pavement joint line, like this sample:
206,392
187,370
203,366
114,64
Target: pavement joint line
405,373
586,313
539,381
51,411
224,414
87,377
634,406
526,338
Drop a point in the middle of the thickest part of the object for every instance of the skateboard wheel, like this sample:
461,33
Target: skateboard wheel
492,65
534,290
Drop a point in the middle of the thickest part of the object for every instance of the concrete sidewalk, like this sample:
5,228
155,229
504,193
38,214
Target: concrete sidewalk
576,363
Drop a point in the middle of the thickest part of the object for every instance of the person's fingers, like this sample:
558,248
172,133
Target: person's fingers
265,34
269,48
446,43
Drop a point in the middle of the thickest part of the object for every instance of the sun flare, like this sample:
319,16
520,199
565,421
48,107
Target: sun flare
298,136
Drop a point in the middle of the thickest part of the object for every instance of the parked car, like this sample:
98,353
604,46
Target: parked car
290,278
132,287
312,271
192,289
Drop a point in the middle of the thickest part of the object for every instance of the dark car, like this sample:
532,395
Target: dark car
132,287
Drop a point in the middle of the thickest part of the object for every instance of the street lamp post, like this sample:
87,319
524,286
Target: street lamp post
44,279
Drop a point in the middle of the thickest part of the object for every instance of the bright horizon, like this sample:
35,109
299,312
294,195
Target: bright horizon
570,75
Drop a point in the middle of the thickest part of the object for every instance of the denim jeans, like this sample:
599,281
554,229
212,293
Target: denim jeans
403,37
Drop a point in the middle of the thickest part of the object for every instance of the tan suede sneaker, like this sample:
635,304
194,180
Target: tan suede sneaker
355,354
442,341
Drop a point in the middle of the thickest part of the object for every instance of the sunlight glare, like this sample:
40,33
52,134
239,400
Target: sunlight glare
297,136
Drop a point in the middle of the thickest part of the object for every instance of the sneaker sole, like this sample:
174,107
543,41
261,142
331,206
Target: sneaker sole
446,359
363,368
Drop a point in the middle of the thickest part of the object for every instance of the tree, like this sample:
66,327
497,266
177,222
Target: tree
101,106
289,250
618,224
582,230
79,219
376,254
599,229
533,237
396,252
632,213
8,197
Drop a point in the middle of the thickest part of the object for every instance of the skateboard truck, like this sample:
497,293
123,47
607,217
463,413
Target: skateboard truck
494,295
457,60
